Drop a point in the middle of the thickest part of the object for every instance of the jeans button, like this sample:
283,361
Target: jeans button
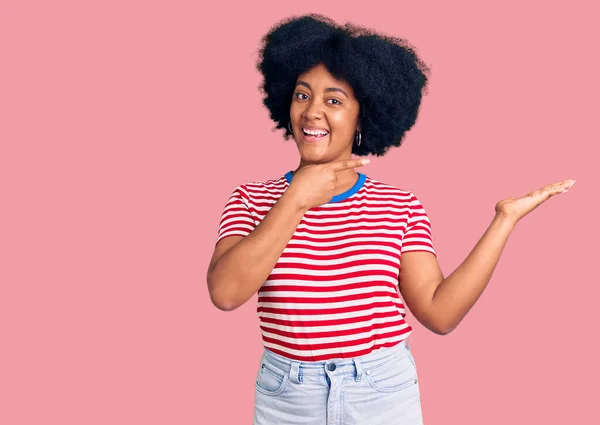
331,366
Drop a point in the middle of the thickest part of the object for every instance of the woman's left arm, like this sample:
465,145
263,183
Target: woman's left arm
441,303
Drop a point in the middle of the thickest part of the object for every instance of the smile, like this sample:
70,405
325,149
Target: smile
314,135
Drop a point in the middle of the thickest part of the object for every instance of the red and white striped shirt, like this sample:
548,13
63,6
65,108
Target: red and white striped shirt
333,292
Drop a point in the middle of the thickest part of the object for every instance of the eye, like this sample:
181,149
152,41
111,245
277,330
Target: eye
338,102
300,94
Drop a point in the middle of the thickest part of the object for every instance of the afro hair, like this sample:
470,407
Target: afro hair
385,73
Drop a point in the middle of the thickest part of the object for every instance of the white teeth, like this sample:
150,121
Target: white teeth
315,132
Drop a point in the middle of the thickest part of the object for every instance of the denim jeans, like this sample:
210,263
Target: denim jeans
378,388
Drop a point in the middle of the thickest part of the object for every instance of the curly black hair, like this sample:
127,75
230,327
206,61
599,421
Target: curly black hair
385,73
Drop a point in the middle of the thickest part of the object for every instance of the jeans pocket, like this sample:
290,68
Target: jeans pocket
270,379
395,374
411,358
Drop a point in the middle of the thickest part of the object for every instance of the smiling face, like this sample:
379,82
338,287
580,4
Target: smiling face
324,115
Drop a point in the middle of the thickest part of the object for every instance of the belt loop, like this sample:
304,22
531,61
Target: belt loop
295,372
359,368
407,342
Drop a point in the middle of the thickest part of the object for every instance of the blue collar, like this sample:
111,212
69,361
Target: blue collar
359,183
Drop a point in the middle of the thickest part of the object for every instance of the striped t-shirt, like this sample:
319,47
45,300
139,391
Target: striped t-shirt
334,290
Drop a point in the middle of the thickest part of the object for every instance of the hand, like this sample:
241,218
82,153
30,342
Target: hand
314,185
514,209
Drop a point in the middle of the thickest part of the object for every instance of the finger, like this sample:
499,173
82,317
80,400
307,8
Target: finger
556,190
565,184
549,191
349,163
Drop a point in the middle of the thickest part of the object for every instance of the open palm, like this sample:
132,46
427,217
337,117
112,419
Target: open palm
517,208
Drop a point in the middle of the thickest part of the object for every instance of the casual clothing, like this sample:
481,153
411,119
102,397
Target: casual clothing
330,312
333,293
380,388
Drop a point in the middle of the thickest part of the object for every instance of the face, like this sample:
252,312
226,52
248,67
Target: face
327,108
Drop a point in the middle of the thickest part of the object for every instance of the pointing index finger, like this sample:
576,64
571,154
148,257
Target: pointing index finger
349,163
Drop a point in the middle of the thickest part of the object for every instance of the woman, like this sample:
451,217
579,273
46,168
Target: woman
333,253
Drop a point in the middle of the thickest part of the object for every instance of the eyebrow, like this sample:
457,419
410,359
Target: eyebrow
328,89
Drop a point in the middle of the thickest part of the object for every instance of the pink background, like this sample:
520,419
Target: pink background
126,125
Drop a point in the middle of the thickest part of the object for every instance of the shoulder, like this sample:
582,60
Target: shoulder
376,186
260,188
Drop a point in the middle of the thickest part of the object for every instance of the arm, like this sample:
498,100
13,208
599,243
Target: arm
458,292
237,272
241,264
441,303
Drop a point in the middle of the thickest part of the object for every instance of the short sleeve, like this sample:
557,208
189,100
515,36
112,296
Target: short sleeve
236,218
418,235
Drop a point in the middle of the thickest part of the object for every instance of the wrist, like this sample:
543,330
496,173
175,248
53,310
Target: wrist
290,199
504,221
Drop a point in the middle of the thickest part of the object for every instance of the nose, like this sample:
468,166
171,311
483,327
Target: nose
313,111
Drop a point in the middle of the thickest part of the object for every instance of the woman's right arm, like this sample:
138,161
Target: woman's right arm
240,265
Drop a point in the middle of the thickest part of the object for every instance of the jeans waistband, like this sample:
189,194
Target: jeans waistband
342,365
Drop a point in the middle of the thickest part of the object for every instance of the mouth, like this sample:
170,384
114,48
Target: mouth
314,135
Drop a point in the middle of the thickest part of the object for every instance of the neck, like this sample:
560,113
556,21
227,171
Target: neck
346,179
